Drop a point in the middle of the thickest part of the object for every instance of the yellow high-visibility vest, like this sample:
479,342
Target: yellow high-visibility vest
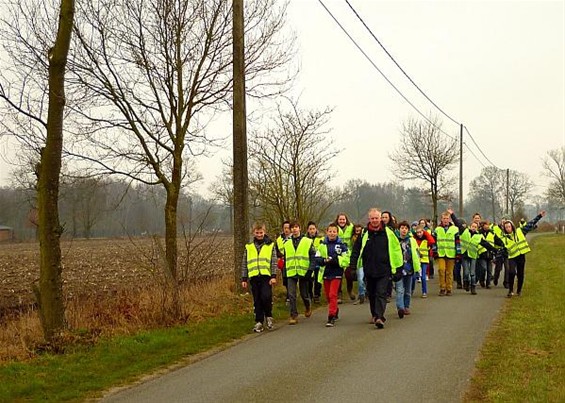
297,260
259,263
446,241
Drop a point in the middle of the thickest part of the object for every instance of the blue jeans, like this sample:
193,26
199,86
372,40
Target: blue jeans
361,281
423,271
469,270
484,269
403,291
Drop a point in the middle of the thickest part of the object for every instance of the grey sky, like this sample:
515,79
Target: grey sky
496,66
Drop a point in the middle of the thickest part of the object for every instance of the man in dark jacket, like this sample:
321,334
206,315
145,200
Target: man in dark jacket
381,255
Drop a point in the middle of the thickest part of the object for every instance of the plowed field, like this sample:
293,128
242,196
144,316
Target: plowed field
104,266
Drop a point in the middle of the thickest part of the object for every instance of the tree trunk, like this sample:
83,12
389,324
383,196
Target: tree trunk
171,247
50,292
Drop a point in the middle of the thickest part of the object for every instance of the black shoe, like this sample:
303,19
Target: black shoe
466,285
401,313
330,322
482,283
379,324
459,286
495,282
473,290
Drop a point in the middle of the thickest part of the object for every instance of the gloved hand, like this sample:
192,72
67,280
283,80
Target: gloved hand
397,276
309,274
338,250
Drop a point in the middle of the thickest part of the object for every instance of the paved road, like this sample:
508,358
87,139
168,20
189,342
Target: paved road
425,357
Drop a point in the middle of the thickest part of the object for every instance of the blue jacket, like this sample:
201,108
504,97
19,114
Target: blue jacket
335,248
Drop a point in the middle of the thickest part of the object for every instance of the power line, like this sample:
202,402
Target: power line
398,65
398,91
479,148
474,155
379,70
417,87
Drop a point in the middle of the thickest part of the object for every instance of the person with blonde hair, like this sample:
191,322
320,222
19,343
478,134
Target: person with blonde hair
259,270
448,249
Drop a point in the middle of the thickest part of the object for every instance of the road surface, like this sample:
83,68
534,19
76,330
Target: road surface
428,356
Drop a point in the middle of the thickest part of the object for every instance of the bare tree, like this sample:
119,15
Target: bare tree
489,187
29,112
155,73
554,169
290,166
86,201
427,155
519,184
222,188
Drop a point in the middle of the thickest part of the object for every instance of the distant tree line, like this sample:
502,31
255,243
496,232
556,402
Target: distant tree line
105,207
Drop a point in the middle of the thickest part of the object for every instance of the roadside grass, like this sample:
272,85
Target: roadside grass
523,358
86,371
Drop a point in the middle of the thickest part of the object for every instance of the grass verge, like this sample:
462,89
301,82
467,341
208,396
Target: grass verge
523,358
86,371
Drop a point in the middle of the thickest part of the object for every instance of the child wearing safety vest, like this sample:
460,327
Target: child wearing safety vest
448,248
411,266
425,242
299,262
314,288
259,270
472,245
345,232
332,257
515,241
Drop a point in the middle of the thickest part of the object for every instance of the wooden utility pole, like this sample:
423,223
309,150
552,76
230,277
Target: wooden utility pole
460,212
507,188
240,179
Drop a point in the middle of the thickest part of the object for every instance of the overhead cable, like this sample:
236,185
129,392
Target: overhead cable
379,70
398,65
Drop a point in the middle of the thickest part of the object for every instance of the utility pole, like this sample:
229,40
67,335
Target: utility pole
240,179
507,188
460,212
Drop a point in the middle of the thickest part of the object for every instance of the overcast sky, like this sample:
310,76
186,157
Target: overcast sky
495,66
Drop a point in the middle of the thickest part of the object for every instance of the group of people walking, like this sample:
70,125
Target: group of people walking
381,256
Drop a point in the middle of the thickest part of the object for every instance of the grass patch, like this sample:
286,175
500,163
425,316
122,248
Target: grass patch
523,358
85,371
80,373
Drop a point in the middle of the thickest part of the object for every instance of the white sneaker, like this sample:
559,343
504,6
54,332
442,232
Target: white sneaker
258,328
269,323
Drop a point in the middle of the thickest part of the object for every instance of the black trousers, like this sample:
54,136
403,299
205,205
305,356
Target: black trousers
516,269
377,292
262,297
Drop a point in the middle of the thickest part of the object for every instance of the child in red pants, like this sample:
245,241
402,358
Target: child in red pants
332,257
